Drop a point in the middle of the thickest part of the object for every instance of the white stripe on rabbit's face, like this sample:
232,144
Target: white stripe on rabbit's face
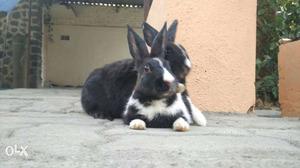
187,61
155,79
167,76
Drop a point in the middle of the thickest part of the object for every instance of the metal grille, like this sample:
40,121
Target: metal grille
108,3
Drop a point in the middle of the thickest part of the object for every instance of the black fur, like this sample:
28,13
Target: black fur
150,66
164,121
176,56
106,90
184,96
150,87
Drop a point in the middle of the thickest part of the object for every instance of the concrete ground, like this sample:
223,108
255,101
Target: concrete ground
50,124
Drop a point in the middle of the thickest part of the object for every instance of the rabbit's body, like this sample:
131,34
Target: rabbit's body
154,101
106,91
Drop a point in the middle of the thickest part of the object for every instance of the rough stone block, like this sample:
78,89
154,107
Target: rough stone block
36,43
36,28
1,54
25,6
5,70
16,15
36,35
23,24
24,14
8,35
23,30
6,60
14,23
3,14
35,56
14,30
36,13
36,50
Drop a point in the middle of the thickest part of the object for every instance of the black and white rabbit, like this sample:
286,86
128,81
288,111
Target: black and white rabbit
106,91
154,102
180,65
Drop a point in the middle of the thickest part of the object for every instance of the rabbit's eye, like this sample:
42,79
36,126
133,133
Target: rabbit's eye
147,69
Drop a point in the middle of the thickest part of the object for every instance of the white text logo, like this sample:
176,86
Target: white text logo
16,150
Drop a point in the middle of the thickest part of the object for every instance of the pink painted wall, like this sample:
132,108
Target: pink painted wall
220,37
289,79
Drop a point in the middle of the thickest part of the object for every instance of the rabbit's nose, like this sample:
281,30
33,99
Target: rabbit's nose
167,83
166,86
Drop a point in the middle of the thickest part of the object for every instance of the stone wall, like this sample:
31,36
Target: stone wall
15,60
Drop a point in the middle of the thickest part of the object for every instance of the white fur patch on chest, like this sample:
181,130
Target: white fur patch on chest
160,107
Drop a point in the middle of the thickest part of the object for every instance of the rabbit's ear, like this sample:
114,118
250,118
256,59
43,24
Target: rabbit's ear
149,33
137,45
159,43
172,31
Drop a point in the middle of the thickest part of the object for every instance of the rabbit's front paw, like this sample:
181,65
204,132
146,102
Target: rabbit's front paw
137,124
181,125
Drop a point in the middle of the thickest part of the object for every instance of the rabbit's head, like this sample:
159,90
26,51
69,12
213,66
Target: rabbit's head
175,53
155,78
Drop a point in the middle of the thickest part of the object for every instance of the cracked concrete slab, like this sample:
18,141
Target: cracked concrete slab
58,134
